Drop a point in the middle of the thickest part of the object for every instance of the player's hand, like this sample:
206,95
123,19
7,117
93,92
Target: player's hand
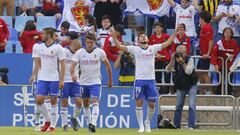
61,84
74,78
31,79
109,83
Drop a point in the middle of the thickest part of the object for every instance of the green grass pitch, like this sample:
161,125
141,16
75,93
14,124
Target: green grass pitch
104,131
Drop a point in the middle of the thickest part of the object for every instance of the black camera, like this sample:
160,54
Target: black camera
177,55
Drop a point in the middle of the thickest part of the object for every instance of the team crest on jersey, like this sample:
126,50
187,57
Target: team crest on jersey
95,56
51,52
79,11
154,4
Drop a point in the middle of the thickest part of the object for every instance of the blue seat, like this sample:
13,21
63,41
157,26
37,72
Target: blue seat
170,31
12,41
236,78
128,36
45,21
20,22
8,20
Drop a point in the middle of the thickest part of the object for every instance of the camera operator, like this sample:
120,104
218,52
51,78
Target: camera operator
126,63
185,81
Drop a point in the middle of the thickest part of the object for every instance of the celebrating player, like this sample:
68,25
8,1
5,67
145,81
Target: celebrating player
47,57
90,77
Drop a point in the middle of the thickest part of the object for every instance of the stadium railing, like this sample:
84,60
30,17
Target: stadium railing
216,80
212,111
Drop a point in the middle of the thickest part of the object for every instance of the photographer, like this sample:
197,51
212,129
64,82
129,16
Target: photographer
125,62
185,81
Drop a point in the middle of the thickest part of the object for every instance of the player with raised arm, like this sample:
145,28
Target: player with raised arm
145,84
71,88
47,57
90,59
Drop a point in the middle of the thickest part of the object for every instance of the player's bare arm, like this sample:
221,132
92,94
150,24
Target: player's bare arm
37,66
116,41
109,71
72,69
62,74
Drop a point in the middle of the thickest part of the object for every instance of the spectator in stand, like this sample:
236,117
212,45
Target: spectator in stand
88,26
140,29
162,57
104,31
181,39
9,4
62,35
210,6
126,63
206,44
4,35
109,46
72,35
185,14
225,48
226,17
108,7
51,8
29,36
26,7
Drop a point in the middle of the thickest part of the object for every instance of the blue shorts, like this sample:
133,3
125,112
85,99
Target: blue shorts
91,91
47,88
145,88
71,89
203,64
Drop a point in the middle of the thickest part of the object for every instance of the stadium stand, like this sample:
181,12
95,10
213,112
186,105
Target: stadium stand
20,22
8,20
45,21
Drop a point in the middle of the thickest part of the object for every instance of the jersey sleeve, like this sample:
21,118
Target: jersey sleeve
103,55
131,49
61,55
176,8
35,52
156,47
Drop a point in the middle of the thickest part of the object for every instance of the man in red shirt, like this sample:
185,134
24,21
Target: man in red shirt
4,35
109,47
163,57
206,43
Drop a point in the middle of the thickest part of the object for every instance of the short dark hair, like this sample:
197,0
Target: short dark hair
30,25
105,17
140,28
206,16
183,25
158,24
90,36
65,25
90,19
72,35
